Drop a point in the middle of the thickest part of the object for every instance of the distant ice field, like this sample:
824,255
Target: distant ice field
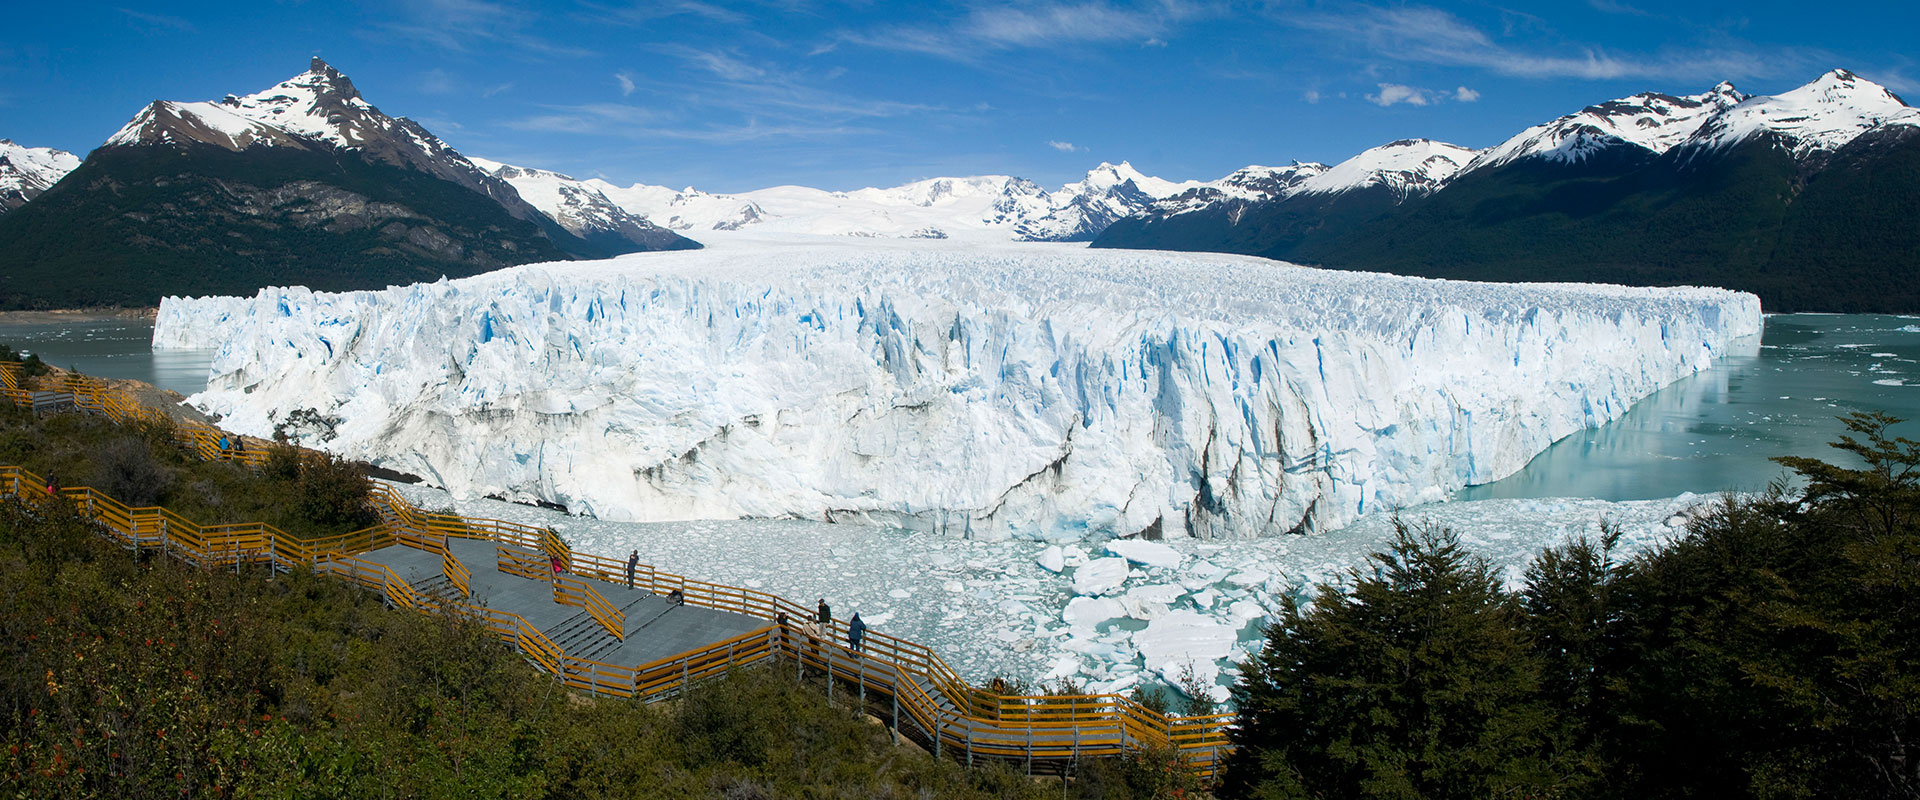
986,391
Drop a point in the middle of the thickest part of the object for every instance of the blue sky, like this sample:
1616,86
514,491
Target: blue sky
733,96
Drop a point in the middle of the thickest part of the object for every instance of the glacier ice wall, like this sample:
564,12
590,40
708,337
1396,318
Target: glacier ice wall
987,390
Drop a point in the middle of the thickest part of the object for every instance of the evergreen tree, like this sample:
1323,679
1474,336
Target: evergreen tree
1774,651
1415,681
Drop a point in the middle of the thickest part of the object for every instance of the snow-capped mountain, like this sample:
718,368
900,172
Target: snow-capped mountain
25,172
1245,186
1798,197
1289,203
986,207
304,183
1080,211
1820,117
317,109
1651,121
1406,168
582,209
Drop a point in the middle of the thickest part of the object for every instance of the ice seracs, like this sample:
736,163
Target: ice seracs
1041,391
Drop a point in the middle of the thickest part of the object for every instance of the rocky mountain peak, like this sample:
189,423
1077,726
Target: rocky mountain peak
1820,117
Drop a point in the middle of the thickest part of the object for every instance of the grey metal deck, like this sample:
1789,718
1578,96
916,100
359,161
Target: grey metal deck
654,628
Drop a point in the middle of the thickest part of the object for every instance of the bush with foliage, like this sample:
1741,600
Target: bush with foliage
1771,651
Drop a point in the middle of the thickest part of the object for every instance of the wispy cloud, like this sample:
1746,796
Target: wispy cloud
1421,34
155,21
1065,147
1311,96
439,81
722,64
642,13
461,25
1031,25
1614,7
723,96
1465,95
436,81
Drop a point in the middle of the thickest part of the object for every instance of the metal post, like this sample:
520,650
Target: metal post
863,677
896,715
969,744
685,682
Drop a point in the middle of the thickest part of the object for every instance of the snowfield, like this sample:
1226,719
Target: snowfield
986,390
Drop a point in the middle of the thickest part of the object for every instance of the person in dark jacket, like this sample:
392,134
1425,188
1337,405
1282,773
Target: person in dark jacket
632,561
856,632
825,617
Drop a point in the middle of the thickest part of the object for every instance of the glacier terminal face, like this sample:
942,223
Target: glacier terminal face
992,391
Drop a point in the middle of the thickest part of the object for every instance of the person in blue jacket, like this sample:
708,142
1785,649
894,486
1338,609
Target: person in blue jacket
856,632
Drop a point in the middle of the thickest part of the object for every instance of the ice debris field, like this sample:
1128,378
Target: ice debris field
1108,616
956,389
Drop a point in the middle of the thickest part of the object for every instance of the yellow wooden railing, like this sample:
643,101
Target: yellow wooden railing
571,591
948,712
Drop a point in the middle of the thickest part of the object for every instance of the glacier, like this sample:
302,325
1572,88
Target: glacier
990,391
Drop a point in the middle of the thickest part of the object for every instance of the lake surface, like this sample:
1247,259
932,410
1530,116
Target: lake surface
1715,431
1708,433
114,347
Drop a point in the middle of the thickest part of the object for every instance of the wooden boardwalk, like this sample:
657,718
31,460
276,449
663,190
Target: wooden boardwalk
594,633
654,628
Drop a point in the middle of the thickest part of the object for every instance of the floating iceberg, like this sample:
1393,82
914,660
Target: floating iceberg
991,391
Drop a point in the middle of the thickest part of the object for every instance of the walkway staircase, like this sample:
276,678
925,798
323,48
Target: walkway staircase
438,587
926,699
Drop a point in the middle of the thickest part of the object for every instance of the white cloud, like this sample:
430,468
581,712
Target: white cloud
1465,95
1032,25
1391,93
156,21
437,81
626,83
1312,96
1065,147
1422,34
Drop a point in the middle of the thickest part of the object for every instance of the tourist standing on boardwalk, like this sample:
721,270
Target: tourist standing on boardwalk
556,567
632,561
856,632
825,617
